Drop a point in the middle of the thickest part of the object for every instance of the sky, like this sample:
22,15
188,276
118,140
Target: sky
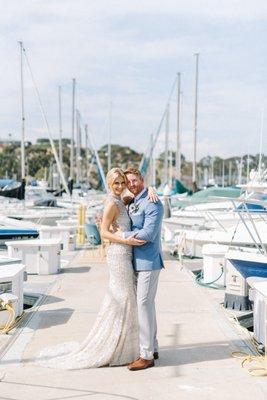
127,53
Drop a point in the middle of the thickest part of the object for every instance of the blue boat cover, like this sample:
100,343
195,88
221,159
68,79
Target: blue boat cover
250,268
251,207
17,232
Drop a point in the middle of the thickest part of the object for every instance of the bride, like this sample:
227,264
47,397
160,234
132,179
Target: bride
113,339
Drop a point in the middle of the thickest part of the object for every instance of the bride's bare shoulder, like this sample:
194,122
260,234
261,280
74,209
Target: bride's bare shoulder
111,211
111,204
114,200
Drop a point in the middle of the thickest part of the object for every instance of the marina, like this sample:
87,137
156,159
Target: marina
197,338
205,325
211,300
133,201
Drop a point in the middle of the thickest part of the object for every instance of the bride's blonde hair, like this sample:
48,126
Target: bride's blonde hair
113,174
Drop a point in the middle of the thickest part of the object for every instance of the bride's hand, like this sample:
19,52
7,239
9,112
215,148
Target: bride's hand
132,241
152,194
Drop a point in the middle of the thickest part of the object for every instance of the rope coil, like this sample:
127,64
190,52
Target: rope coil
260,368
259,360
11,316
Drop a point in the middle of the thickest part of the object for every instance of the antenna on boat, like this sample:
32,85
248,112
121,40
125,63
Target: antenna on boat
195,122
46,123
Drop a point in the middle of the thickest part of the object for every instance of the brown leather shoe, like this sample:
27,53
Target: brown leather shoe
141,363
156,355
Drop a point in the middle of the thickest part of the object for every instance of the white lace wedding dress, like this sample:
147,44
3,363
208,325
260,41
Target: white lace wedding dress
113,339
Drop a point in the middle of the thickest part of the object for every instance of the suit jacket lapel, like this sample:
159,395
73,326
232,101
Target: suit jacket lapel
142,197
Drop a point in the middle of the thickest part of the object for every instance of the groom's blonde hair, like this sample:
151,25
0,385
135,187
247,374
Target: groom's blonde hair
113,174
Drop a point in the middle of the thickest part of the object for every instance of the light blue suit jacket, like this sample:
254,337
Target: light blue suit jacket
146,220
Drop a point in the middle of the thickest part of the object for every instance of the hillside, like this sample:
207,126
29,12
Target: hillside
40,163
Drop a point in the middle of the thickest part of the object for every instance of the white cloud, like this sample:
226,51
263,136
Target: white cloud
235,9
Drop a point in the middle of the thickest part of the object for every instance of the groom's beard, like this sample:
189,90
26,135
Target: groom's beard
136,191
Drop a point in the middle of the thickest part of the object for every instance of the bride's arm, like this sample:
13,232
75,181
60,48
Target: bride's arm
110,215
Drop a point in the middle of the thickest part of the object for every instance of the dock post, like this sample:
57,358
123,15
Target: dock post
167,201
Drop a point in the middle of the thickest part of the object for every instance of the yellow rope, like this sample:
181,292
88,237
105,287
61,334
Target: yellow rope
16,321
260,368
11,317
260,361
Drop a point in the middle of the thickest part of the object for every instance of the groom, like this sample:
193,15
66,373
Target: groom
146,218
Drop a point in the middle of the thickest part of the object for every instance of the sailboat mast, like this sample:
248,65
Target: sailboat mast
212,168
248,162
170,166
178,149
109,136
195,122
22,143
78,147
98,163
166,155
223,173
260,155
87,153
72,130
153,162
60,126
230,173
63,180
240,171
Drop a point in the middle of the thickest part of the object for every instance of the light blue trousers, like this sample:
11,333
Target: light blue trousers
147,283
